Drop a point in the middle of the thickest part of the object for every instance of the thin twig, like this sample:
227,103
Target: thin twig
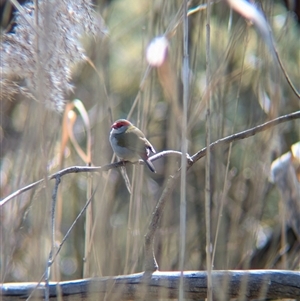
150,264
208,162
88,228
220,213
53,211
53,257
185,81
284,71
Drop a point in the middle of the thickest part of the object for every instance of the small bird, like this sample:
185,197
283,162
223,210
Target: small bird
129,143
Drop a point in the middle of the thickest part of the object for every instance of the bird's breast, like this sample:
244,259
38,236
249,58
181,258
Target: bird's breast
122,152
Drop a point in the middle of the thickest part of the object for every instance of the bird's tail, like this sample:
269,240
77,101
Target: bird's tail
150,165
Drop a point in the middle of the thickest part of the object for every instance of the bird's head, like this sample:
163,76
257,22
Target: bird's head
121,125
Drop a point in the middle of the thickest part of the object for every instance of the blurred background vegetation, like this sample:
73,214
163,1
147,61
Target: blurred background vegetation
247,89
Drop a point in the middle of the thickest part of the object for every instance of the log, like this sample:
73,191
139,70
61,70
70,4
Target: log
252,284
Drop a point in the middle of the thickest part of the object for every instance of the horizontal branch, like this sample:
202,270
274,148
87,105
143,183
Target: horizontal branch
85,169
261,284
191,160
247,133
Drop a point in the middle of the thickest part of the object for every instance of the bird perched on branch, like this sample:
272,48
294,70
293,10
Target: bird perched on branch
129,143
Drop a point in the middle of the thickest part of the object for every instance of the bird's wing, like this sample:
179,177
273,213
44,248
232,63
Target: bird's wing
132,141
136,142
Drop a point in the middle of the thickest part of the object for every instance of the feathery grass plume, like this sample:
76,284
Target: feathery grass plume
45,44
8,88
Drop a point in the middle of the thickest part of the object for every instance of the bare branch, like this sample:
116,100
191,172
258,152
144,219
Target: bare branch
247,133
191,160
79,169
289,81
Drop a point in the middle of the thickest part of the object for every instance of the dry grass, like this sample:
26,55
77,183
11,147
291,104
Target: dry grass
243,76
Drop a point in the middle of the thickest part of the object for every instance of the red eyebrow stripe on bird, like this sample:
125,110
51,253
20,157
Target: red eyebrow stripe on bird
120,123
117,125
